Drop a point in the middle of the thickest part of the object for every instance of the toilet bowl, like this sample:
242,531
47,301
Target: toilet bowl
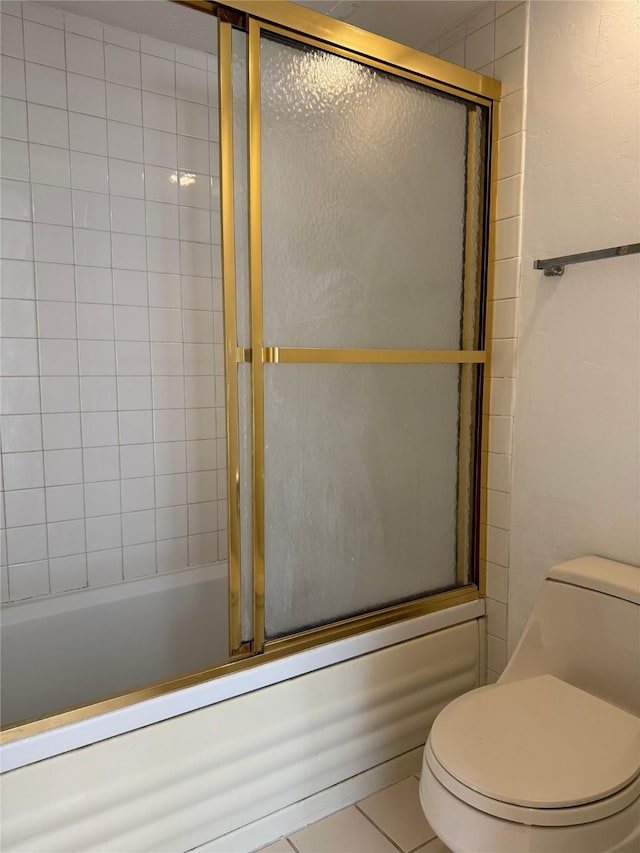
547,760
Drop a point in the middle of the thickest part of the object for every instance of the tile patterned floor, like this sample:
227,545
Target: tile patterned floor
388,821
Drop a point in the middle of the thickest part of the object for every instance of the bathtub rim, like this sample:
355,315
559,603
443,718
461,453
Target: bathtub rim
28,742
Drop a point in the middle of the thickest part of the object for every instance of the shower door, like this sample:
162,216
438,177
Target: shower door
367,191
355,253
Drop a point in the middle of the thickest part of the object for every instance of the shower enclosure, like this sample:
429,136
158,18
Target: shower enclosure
354,203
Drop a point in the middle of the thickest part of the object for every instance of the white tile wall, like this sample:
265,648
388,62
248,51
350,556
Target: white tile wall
113,454
494,41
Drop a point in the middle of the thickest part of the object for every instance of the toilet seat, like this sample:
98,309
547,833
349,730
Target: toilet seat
537,751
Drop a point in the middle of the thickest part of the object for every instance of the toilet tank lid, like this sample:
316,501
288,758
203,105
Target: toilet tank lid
618,579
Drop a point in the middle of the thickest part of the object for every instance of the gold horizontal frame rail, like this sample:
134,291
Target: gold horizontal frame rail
317,355
273,650
300,20
370,621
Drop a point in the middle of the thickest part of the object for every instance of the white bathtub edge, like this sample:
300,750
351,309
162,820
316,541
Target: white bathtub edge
15,612
57,741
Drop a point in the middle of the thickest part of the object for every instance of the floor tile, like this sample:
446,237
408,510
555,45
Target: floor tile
347,831
398,813
281,846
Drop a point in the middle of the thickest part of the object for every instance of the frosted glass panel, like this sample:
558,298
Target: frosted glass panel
364,194
361,488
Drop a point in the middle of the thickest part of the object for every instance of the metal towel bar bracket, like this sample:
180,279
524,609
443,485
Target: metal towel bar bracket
555,266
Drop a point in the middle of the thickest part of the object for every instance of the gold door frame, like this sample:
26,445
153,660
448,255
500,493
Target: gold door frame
302,24
301,355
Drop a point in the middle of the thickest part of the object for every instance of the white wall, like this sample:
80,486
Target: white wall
576,476
113,450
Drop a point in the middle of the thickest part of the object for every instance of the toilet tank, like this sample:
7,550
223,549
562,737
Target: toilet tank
585,629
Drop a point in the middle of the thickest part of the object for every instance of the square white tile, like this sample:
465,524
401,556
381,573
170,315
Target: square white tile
43,45
15,199
92,247
48,125
67,573
104,567
126,179
158,75
88,134
398,813
45,85
89,172
84,56
93,284
58,357
101,464
14,160
86,95
90,210
12,77
138,527
191,83
11,39
348,830
51,205
101,499
125,141
17,240
66,538
159,112
132,358
124,103
134,392
104,532
14,118
63,467
61,431
49,165
23,470
60,394
29,580
24,507
57,320
139,560
65,503
98,393
122,65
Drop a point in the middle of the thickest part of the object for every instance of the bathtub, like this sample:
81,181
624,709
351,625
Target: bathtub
85,645
230,763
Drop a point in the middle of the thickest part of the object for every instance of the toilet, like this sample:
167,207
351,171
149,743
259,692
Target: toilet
547,760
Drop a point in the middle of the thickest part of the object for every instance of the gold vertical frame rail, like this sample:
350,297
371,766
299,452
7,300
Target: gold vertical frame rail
471,295
255,278
225,95
490,263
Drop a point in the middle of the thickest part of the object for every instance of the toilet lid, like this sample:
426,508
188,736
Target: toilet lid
539,742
